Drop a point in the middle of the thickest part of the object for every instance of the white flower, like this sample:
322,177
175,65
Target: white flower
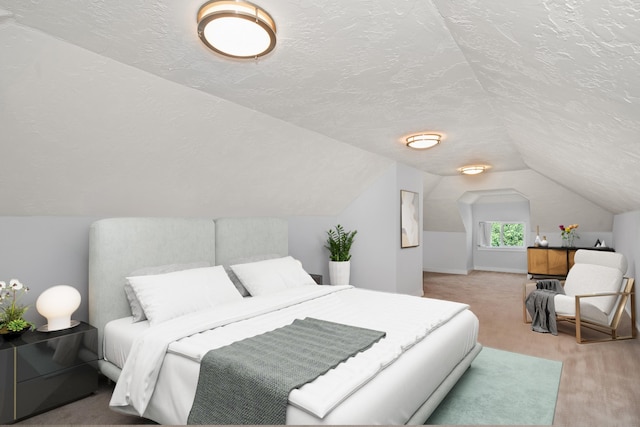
15,284
3,285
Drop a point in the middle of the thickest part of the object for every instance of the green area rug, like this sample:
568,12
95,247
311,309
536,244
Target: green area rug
502,388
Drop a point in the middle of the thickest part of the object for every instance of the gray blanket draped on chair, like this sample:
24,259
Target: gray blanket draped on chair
541,307
249,381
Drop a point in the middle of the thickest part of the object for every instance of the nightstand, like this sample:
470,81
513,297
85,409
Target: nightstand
317,278
42,370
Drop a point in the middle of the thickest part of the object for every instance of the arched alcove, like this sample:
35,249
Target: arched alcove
505,205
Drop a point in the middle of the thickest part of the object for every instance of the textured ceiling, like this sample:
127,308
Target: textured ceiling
542,85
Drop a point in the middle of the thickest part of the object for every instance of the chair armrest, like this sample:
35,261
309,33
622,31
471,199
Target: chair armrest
602,294
527,287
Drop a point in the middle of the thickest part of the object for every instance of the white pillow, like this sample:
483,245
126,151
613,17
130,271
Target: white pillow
238,284
167,296
134,304
274,275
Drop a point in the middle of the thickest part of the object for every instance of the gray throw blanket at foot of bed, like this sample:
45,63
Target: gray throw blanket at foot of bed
249,381
541,306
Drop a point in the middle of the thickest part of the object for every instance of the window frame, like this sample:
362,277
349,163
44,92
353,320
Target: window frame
502,247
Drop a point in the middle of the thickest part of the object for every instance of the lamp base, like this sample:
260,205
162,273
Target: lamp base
45,328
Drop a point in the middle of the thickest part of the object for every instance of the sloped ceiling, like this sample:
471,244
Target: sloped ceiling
84,135
552,87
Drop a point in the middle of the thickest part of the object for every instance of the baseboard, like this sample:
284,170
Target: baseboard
637,321
446,271
500,270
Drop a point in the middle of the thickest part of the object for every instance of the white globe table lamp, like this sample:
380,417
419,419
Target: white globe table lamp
57,304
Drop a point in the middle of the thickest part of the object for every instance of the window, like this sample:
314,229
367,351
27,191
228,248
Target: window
499,234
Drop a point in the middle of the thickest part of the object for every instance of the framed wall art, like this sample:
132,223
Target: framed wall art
409,219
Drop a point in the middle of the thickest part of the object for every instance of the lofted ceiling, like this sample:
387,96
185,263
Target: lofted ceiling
549,86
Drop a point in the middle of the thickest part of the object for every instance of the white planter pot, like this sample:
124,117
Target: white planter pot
339,272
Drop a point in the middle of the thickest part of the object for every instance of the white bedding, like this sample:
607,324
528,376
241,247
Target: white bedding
407,321
119,336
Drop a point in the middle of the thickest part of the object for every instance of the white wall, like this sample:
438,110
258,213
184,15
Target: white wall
43,251
409,260
444,252
377,260
374,214
307,237
505,260
551,203
466,215
454,236
626,233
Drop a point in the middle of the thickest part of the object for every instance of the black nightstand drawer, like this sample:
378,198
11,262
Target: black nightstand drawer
46,392
42,370
47,357
6,383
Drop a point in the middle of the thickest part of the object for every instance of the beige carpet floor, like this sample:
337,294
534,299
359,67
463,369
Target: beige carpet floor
600,383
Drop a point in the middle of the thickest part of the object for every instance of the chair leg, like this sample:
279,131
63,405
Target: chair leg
578,326
524,301
578,332
634,331
525,312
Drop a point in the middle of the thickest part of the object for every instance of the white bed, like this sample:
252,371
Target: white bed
438,340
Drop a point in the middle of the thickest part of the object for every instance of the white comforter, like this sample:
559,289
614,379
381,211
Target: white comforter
406,320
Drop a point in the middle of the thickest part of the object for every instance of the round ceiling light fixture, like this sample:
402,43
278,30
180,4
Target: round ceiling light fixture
423,141
473,169
236,29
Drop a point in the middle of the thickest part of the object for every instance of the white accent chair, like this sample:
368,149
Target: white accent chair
596,294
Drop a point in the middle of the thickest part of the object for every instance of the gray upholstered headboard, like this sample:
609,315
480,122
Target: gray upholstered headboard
119,246
245,237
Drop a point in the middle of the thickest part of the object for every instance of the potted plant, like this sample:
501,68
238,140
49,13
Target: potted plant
339,244
12,323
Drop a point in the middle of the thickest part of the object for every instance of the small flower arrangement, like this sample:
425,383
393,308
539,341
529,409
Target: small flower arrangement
11,313
568,234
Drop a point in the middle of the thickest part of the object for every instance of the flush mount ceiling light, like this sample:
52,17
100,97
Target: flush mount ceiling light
423,141
236,29
473,169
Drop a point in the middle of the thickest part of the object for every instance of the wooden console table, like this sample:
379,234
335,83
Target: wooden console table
554,260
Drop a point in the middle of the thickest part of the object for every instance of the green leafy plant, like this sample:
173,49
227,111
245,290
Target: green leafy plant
18,325
11,319
339,243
